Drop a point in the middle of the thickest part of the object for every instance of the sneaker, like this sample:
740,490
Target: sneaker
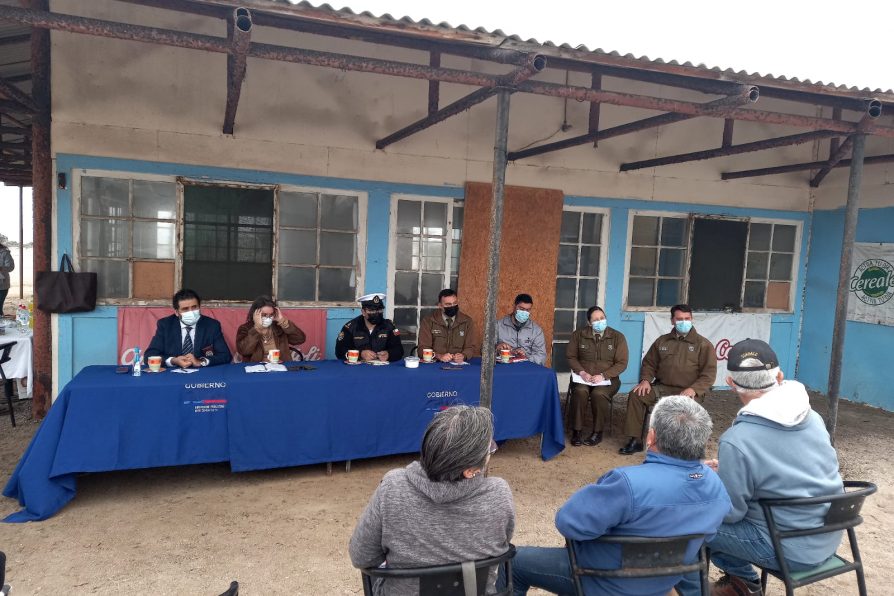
731,585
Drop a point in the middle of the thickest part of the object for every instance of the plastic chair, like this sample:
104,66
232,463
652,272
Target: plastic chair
567,404
645,556
843,514
454,579
4,587
7,383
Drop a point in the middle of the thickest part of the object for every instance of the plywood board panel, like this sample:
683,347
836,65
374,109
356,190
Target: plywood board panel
532,222
153,280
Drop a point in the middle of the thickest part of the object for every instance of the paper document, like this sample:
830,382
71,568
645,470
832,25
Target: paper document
263,368
576,379
257,368
184,371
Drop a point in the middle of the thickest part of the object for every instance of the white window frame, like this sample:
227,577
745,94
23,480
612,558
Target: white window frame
392,245
796,258
180,182
796,261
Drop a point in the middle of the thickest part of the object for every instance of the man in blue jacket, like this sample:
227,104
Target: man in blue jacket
777,448
670,494
186,338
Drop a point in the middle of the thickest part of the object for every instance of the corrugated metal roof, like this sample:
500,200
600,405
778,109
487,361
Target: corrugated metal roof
505,40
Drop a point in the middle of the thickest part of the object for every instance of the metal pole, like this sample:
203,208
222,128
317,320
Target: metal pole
851,215
21,247
493,257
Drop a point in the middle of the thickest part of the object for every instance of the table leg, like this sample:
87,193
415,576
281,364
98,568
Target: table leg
348,466
329,468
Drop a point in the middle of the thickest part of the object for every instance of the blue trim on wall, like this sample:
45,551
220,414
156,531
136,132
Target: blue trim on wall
867,347
378,221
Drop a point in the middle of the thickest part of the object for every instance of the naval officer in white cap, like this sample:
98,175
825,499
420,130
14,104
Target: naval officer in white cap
375,336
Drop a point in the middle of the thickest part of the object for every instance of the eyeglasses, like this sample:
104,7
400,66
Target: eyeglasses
493,447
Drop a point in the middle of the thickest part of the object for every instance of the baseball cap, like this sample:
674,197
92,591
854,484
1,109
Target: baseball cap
751,348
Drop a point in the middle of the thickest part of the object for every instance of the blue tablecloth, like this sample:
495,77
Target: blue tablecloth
102,421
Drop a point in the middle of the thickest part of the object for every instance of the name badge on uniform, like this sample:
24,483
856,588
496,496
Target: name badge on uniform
436,332
663,348
359,338
383,335
583,346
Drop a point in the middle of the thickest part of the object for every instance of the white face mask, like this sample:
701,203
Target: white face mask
266,321
190,317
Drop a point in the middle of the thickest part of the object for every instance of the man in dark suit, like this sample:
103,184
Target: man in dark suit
188,339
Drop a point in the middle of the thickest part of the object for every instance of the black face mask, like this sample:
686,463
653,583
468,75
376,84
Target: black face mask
375,318
450,311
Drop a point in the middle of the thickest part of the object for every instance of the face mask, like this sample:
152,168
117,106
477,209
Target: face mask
683,327
375,318
522,316
451,311
266,321
190,317
599,326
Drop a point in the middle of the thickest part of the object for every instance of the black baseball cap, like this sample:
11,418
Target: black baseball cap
751,348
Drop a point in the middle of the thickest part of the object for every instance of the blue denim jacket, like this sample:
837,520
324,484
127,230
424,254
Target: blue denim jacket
663,496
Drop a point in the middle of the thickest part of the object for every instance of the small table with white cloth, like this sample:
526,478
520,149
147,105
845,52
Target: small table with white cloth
20,364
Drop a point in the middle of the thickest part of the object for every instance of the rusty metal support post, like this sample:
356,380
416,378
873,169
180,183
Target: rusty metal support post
493,256
593,124
728,127
535,64
851,215
434,87
21,246
42,199
239,31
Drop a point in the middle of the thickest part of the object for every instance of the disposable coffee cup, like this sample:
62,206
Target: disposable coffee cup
154,363
273,355
428,355
353,355
504,356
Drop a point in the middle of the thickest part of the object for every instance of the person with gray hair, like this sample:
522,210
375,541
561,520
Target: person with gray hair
441,509
777,448
670,494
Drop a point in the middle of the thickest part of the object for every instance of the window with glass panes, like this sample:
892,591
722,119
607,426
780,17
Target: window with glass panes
426,240
318,247
769,267
126,224
658,260
578,274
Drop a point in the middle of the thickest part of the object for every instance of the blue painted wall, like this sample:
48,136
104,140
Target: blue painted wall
867,347
90,338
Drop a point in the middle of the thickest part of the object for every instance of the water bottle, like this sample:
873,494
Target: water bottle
22,317
136,362
31,314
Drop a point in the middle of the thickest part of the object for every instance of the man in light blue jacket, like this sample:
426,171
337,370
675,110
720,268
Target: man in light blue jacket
670,494
520,335
777,448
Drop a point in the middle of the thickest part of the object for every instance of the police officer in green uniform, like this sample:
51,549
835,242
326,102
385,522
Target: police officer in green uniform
375,336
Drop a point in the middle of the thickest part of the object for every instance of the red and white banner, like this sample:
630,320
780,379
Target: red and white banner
136,326
722,329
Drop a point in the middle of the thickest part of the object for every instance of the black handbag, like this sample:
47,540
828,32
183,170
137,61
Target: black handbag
65,291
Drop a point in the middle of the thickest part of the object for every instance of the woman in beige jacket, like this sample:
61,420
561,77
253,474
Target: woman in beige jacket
266,329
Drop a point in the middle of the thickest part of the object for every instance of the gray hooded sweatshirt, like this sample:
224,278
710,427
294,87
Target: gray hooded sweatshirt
411,521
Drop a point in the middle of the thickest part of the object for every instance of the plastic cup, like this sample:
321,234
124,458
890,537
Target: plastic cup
428,355
273,356
154,363
504,356
411,362
353,355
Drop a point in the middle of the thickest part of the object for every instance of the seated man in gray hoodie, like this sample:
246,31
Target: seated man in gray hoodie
520,335
777,447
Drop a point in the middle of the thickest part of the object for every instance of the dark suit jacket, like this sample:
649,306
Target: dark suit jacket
168,342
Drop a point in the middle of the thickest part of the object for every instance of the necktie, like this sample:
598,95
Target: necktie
449,322
187,342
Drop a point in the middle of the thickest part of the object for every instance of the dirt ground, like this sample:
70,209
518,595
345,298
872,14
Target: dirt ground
191,530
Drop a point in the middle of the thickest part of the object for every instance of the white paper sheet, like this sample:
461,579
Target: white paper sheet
576,378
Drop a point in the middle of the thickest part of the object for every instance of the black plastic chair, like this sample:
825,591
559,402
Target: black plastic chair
454,579
843,514
567,404
233,590
4,587
645,556
5,349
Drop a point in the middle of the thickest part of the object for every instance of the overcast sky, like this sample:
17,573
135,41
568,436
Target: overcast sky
810,39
